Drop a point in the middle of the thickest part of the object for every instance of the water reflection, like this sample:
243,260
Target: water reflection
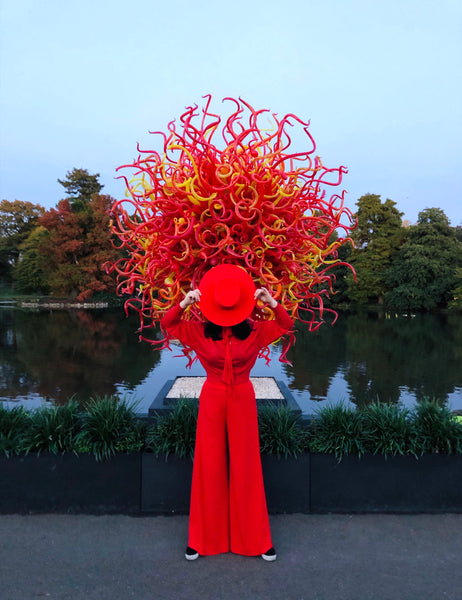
54,355
59,354
316,357
381,356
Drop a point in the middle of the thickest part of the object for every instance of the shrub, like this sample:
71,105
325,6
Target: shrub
385,429
175,433
388,430
105,426
337,430
13,424
280,431
435,429
109,426
52,429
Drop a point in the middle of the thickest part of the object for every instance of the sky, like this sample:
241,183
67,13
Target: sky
81,83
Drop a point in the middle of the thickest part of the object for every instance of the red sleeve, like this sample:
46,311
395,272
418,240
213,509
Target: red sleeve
185,331
172,318
270,331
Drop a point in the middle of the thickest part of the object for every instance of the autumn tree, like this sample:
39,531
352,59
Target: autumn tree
378,236
77,246
424,274
62,247
17,219
99,249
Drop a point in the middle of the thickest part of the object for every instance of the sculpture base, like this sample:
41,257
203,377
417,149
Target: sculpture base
267,391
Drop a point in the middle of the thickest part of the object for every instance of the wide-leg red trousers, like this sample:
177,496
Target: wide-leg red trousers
228,506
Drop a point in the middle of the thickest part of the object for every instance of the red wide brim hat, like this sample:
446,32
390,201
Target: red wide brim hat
227,295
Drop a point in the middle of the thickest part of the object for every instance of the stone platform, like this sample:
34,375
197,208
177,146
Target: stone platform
268,390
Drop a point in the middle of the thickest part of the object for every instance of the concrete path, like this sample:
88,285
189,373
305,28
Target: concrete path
320,557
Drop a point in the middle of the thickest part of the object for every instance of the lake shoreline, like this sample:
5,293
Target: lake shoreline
63,305
50,303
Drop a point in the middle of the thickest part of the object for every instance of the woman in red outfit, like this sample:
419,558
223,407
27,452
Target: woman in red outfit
228,506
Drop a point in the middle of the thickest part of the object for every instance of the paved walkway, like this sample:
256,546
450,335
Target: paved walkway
320,557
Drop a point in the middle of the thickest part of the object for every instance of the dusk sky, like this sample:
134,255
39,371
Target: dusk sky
83,82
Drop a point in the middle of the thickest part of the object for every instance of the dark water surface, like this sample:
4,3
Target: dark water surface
53,355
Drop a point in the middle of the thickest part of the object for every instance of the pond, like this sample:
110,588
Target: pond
53,355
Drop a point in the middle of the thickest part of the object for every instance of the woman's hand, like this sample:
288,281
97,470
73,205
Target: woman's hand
190,298
263,295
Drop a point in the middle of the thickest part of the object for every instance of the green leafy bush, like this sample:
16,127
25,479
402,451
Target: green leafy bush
13,424
175,433
388,429
106,426
52,429
280,431
109,426
338,430
385,429
435,428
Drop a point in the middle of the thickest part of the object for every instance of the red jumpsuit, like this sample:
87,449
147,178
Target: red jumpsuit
228,505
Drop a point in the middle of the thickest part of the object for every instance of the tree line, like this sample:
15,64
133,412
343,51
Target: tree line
403,267
61,251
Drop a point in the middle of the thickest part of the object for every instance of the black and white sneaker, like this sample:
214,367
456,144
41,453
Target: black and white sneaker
269,555
191,554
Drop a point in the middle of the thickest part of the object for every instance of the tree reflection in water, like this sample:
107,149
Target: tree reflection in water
365,355
316,357
380,356
64,353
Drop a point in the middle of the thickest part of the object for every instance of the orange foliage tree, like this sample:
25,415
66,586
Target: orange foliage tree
77,245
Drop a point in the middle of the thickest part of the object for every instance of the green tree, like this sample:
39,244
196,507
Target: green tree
17,219
456,301
378,236
341,274
80,186
459,232
30,274
424,273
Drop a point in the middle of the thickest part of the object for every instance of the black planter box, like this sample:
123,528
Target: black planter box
287,483
166,484
70,484
402,484
317,483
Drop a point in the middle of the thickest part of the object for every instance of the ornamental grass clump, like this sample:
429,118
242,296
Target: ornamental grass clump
435,429
280,431
109,426
13,424
337,430
388,429
175,433
52,429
